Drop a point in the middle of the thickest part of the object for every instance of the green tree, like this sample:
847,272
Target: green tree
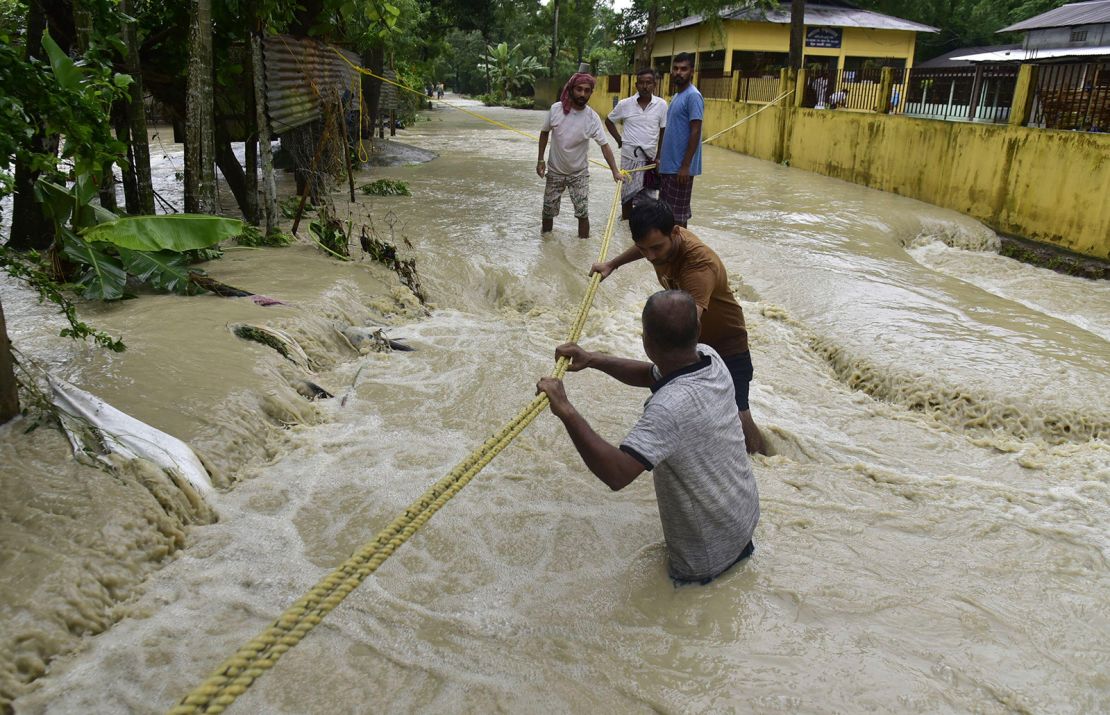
962,23
509,68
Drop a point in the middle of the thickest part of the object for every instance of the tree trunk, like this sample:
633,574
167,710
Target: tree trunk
250,166
123,134
200,131
372,86
135,112
262,125
31,229
555,38
83,30
644,58
9,388
797,32
233,174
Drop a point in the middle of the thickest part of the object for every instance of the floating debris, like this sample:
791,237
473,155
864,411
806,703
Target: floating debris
386,187
273,338
311,391
368,340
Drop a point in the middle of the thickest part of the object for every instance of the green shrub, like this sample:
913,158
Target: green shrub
252,236
386,187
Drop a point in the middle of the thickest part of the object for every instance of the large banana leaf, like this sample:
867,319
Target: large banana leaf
61,202
66,72
171,232
163,270
104,277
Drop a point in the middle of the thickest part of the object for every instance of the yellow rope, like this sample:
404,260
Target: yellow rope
240,671
729,128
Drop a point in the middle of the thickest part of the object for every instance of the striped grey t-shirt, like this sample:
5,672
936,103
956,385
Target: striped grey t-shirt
690,436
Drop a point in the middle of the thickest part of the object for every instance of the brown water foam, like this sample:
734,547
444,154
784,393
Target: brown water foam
81,538
959,406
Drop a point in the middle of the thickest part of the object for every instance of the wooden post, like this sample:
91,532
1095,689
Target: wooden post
393,122
262,125
9,388
1025,91
347,149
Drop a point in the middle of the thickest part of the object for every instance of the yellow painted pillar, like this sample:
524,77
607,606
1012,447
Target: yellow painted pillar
799,89
786,80
734,88
886,88
1024,93
785,110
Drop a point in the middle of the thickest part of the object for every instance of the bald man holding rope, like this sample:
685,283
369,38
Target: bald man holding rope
688,436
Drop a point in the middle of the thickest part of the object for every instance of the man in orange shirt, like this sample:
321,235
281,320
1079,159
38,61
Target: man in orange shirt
683,262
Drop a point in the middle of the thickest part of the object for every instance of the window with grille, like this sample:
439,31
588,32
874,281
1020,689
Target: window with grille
1078,35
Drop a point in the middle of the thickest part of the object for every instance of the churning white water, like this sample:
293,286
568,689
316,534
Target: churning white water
934,530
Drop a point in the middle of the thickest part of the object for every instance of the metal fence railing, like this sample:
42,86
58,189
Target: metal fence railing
745,89
761,90
1073,96
717,86
860,89
983,93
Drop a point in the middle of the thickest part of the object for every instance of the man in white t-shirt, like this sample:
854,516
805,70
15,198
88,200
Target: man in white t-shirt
644,118
571,124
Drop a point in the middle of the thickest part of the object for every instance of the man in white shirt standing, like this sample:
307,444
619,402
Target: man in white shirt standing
645,119
571,124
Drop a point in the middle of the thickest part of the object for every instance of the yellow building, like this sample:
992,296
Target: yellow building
756,42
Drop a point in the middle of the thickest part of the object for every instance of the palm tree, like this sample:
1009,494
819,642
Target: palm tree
508,69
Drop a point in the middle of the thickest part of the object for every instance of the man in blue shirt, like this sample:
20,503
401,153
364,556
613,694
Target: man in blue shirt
680,155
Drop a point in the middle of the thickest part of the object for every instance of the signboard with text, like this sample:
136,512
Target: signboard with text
823,36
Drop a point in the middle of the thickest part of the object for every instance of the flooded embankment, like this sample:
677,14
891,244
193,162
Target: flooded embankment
934,530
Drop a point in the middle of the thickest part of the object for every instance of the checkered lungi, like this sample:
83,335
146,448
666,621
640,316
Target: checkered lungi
579,186
676,195
632,159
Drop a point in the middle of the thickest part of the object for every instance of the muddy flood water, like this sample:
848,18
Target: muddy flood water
934,533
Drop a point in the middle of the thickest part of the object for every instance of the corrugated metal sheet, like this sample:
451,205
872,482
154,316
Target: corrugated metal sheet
1020,55
1079,13
948,60
301,75
817,15
388,99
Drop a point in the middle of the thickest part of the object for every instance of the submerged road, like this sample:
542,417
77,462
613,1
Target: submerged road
934,530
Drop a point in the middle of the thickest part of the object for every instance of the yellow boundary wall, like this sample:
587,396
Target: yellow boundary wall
1045,185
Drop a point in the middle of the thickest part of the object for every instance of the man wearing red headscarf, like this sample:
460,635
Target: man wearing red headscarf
571,124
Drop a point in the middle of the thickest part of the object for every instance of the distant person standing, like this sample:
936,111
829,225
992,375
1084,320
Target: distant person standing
644,119
439,91
680,153
571,124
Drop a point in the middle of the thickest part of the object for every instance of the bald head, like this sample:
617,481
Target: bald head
671,321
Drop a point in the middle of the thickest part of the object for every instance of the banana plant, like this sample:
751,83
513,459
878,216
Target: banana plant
149,250
509,69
